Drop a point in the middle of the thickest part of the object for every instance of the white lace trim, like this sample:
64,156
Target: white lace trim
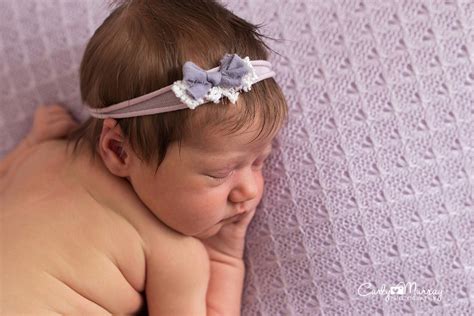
216,93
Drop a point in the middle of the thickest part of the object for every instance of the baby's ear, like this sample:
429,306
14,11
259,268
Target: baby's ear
113,148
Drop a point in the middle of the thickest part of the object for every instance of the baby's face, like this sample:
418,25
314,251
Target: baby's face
196,190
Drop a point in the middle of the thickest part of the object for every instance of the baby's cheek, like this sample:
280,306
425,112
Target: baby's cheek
261,188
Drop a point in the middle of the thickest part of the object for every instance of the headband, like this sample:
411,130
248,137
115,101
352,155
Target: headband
197,87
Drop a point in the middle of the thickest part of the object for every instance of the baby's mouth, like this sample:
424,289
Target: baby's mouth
234,218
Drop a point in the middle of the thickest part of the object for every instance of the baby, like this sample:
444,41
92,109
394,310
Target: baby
144,206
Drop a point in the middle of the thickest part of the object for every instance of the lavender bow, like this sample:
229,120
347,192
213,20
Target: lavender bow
231,71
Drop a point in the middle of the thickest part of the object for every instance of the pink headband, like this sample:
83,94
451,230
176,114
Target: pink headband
197,87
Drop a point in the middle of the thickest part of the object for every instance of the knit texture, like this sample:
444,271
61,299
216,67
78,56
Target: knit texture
371,181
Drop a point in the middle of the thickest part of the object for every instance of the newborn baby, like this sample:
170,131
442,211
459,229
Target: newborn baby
153,201
76,239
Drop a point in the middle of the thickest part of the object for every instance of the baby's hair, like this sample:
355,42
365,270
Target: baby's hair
141,47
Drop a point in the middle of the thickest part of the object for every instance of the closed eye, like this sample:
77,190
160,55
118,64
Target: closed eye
259,163
219,177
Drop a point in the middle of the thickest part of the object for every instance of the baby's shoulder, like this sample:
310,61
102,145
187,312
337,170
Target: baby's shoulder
159,242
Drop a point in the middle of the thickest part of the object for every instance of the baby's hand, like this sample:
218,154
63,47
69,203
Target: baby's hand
50,122
229,243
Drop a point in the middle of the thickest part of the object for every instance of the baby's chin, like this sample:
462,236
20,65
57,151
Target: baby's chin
209,232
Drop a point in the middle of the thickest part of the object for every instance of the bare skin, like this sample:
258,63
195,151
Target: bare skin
76,239
54,243
73,237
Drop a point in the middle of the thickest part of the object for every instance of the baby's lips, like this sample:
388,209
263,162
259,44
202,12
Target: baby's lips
234,218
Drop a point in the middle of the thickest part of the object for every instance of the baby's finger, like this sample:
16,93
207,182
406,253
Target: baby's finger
56,108
63,122
61,129
54,116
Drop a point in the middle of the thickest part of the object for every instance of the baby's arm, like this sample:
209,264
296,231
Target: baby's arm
177,278
226,253
224,296
50,122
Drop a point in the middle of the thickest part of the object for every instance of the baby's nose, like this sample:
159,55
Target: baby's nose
247,187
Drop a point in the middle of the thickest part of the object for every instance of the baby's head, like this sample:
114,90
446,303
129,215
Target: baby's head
191,167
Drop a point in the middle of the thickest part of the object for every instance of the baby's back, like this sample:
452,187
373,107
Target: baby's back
66,249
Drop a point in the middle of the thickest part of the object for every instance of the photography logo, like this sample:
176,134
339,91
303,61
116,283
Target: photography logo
397,290
401,291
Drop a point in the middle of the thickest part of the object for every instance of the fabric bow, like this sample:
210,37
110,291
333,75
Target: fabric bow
231,71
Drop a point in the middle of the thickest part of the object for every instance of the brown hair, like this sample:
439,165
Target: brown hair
141,47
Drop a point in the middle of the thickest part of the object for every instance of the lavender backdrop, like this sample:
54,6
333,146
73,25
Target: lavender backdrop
372,179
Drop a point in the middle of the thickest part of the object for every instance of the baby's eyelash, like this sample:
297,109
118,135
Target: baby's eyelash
261,162
214,177
219,178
